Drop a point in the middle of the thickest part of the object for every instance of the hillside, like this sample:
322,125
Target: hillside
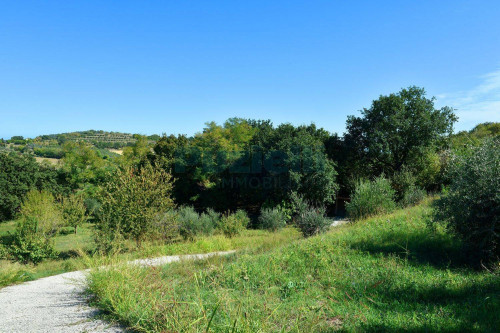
51,145
389,273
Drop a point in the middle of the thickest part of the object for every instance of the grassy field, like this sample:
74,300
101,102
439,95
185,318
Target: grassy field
388,273
69,245
75,251
53,161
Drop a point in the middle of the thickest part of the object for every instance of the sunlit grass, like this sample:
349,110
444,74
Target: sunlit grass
75,250
388,273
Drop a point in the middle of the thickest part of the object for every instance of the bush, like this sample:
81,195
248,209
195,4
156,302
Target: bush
298,204
412,196
74,211
208,223
401,181
271,219
312,221
192,224
407,192
166,226
371,198
213,216
30,244
4,251
471,206
232,224
131,204
41,206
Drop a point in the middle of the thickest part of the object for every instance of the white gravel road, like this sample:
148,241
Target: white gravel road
56,303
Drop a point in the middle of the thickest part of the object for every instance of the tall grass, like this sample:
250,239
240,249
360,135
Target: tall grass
75,251
388,273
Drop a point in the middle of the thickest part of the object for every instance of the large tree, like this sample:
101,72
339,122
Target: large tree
397,129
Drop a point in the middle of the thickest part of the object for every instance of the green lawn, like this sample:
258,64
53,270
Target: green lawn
65,242
388,273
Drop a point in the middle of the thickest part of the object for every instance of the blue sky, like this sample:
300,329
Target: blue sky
170,66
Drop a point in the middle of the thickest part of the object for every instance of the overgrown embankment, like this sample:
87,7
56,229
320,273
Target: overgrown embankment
393,272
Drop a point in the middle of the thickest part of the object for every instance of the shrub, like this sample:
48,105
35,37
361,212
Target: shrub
192,224
131,204
407,193
401,181
207,223
299,205
312,221
30,244
4,252
166,226
371,198
213,216
471,206
412,196
93,207
232,224
41,206
189,222
74,211
271,219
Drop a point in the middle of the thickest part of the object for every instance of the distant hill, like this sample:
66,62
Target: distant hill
50,145
89,136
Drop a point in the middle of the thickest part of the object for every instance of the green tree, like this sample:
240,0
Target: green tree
74,210
41,206
396,128
84,165
133,155
131,204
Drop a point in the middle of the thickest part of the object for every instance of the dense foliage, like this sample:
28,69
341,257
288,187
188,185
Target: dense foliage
471,205
273,173
41,206
74,211
30,243
245,163
371,198
271,219
232,224
192,224
131,204
312,221
398,129
20,174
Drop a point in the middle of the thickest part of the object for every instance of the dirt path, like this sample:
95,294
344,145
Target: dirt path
56,303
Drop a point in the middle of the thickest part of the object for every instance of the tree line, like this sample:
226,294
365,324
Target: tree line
392,154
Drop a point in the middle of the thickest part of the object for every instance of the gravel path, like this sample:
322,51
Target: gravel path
56,303
339,221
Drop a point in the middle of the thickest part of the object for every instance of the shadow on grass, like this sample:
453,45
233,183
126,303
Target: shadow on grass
63,255
420,247
471,308
472,304
66,231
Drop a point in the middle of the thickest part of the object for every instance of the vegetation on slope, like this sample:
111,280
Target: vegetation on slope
393,272
75,250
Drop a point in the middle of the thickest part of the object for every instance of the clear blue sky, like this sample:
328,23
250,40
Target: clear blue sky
170,66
